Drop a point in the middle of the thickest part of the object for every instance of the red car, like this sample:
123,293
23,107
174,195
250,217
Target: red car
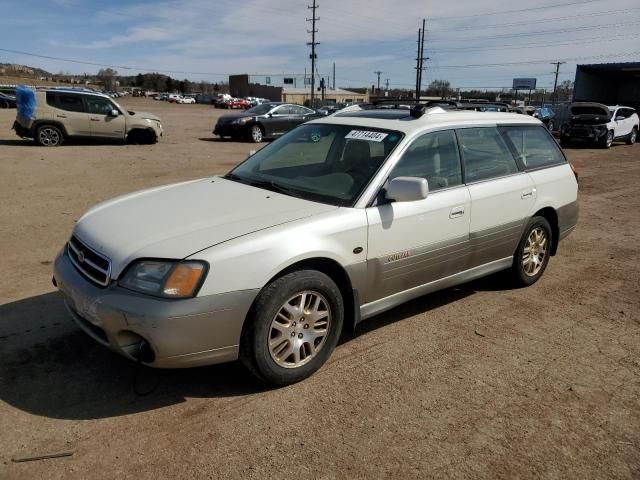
240,103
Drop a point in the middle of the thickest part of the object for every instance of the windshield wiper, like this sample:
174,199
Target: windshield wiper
274,187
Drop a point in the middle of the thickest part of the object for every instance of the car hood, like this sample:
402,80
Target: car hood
148,115
232,116
176,221
589,112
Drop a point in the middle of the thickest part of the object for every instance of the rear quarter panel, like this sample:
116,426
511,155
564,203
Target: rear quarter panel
556,187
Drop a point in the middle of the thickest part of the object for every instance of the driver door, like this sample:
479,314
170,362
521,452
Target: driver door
413,243
103,124
278,121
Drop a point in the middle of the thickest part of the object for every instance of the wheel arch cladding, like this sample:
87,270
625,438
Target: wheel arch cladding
552,217
41,123
335,272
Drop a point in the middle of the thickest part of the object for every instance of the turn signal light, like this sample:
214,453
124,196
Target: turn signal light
575,172
183,280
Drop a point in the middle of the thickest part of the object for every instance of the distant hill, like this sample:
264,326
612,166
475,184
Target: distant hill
23,71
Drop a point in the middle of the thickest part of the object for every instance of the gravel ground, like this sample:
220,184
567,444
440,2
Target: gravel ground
478,381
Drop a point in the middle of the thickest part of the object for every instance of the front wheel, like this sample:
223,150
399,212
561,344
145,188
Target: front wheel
633,136
294,326
550,125
608,140
532,254
49,136
256,134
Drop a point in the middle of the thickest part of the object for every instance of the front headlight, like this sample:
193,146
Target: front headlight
165,278
241,121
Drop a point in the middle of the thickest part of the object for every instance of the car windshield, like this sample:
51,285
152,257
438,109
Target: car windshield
324,163
260,109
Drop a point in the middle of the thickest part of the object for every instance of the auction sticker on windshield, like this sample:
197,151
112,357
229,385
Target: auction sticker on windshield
366,135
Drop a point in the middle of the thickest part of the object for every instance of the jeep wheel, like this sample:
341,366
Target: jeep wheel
532,254
293,328
256,134
633,136
608,140
49,136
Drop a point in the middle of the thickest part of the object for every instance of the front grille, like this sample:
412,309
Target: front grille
90,263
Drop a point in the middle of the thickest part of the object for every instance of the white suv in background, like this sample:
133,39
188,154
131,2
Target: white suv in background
338,220
599,124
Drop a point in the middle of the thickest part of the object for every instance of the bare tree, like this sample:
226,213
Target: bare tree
108,77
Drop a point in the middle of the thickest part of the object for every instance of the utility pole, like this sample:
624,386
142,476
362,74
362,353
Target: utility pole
313,44
334,75
378,73
386,84
420,60
555,83
418,67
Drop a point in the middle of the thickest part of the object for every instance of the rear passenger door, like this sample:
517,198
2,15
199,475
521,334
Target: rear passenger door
70,111
413,243
502,196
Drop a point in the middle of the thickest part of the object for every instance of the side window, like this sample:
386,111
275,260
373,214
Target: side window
283,110
299,110
433,156
99,105
533,146
70,102
485,154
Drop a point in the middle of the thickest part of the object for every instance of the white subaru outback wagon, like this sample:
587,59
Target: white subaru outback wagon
338,220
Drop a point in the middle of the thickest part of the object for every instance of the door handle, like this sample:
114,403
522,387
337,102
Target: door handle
61,116
456,212
94,119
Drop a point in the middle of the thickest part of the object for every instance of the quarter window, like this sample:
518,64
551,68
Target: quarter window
433,156
533,146
485,154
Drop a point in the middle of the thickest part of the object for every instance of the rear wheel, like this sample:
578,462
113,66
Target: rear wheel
294,326
633,136
49,136
532,254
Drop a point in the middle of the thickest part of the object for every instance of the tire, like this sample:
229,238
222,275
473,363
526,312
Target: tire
550,125
255,134
281,342
533,252
607,141
49,136
633,136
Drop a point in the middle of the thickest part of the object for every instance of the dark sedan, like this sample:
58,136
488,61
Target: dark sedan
267,120
7,101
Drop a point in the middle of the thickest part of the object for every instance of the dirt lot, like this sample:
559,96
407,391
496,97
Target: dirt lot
479,381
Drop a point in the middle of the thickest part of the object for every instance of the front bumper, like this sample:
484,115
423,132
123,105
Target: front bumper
181,333
583,132
230,130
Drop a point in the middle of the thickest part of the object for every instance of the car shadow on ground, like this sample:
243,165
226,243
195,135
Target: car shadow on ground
50,368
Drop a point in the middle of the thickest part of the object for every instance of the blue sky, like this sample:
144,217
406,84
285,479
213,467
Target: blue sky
210,39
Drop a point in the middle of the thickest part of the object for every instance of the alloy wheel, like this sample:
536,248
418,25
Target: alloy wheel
299,330
49,137
535,251
256,134
634,136
609,139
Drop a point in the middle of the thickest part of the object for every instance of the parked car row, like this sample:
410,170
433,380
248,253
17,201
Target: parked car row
175,98
7,101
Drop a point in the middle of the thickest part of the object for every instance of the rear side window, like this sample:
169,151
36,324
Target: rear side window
433,156
533,146
65,101
485,154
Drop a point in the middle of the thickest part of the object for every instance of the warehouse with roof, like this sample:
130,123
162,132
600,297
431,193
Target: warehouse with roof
608,83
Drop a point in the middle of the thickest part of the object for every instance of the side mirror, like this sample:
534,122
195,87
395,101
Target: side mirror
619,118
270,115
407,189
114,113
